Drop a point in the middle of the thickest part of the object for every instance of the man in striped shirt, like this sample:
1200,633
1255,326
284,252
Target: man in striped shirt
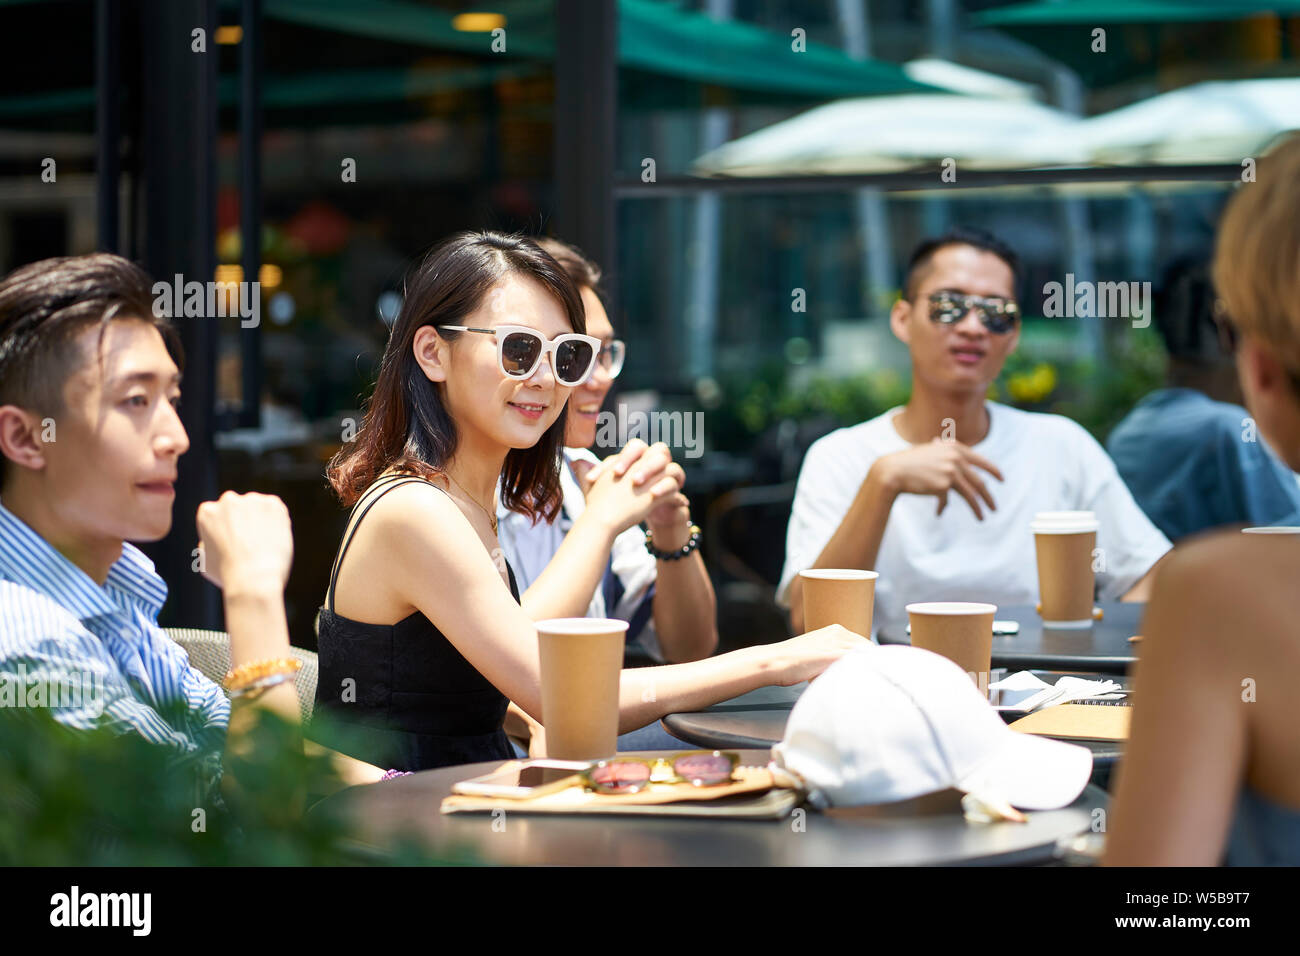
89,444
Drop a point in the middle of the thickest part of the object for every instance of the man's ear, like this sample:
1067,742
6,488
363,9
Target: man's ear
432,352
21,437
900,318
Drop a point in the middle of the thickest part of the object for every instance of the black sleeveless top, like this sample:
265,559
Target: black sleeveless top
401,694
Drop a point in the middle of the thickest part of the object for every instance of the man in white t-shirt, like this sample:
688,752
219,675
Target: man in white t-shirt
880,495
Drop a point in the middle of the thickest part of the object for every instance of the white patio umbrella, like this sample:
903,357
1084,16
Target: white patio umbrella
1221,121
959,78
890,133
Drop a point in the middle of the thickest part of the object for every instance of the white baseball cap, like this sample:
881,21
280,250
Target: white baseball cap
891,723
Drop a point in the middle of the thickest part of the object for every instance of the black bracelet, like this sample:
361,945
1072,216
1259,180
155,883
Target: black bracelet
691,544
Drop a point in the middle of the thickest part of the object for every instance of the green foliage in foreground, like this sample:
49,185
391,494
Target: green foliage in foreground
91,798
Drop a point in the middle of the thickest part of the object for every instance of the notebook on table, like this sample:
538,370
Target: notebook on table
1081,721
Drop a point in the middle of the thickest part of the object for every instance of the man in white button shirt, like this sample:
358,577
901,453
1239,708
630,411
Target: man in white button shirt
938,495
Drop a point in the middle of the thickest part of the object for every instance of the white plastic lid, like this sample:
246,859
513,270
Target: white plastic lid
1271,529
1064,522
839,574
951,607
581,625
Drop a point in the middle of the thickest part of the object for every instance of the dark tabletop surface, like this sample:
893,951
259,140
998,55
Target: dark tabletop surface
758,719
1104,647
930,831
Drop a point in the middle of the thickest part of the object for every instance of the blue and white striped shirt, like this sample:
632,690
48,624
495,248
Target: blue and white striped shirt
95,656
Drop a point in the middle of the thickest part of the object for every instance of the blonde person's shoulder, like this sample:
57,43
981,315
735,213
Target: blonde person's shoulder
1233,584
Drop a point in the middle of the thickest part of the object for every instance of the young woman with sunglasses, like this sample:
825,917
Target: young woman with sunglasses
422,640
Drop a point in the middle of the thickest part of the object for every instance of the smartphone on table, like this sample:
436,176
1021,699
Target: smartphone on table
521,779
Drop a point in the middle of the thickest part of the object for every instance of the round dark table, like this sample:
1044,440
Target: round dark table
1103,648
758,719
927,831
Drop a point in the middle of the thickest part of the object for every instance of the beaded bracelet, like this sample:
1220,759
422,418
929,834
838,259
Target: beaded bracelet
691,544
238,677
392,774
261,684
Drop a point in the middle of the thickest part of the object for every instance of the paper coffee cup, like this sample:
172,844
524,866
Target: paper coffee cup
1272,529
1063,544
958,630
843,596
581,662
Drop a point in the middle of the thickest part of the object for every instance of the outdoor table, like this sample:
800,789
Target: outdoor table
1104,647
929,831
758,719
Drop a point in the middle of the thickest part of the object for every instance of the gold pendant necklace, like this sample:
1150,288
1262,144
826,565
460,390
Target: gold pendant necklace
492,518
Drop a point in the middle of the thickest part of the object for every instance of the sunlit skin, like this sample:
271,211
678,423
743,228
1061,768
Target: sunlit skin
108,474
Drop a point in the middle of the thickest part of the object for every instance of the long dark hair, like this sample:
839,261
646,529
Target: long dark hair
406,425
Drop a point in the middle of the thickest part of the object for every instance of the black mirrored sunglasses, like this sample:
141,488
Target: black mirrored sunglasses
998,315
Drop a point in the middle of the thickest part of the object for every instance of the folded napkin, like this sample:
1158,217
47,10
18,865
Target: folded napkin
1022,691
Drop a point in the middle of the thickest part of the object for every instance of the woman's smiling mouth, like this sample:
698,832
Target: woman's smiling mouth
530,410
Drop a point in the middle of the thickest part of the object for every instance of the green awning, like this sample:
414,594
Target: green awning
301,90
1102,12
658,37
1181,40
530,30
669,56
45,104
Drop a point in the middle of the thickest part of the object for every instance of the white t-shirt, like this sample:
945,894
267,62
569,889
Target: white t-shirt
1050,463
626,593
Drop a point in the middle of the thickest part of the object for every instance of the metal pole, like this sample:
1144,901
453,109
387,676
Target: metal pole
178,154
586,103
108,126
872,212
250,201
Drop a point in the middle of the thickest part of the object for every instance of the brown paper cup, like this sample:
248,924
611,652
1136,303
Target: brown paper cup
581,661
960,631
1063,543
843,596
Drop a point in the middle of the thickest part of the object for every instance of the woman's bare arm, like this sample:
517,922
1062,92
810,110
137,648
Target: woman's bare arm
1188,742
439,564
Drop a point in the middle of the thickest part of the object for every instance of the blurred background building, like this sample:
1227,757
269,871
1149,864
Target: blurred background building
750,173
